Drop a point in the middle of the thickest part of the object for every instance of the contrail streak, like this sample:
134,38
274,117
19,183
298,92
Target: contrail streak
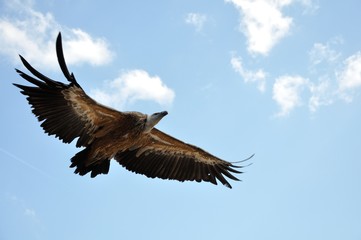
25,163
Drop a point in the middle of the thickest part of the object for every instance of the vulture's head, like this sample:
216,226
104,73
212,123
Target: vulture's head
153,119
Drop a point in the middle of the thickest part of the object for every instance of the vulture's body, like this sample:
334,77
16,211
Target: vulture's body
67,112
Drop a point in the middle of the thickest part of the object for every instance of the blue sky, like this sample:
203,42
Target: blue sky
278,78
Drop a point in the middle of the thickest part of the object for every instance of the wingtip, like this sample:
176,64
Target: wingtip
60,54
61,60
58,38
244,159
23,60
22,88
249,157
58,41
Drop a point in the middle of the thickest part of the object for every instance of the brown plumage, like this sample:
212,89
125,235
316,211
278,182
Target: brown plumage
67,112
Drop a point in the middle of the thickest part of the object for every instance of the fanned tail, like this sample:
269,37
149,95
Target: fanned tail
81,163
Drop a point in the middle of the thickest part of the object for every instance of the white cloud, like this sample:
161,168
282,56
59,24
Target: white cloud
311,6
286,93
325,52
22,205
196,19
32,34
333,84
321,95
29,212
263,23
258,76
349,78
132,86
81,48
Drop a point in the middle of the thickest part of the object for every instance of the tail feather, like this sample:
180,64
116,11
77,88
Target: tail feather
80,162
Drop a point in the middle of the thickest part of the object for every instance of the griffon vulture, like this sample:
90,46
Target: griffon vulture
130,138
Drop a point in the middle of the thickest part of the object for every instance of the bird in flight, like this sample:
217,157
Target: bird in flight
130,138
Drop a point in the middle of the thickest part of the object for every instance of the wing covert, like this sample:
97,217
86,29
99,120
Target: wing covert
166,157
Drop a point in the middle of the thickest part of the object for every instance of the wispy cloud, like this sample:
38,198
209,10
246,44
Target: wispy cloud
196,19
258,76
337,78
32,33
263,23
286,93
310,6
322,94
28,213
349,77
331,79
132,86
325,52
324,91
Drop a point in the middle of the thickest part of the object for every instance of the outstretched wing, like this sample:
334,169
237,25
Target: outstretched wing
64,109
160,155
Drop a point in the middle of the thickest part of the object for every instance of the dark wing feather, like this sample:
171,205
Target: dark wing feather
61,60
64,109
163,156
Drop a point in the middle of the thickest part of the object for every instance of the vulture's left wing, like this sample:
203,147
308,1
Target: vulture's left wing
65,110
160,155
